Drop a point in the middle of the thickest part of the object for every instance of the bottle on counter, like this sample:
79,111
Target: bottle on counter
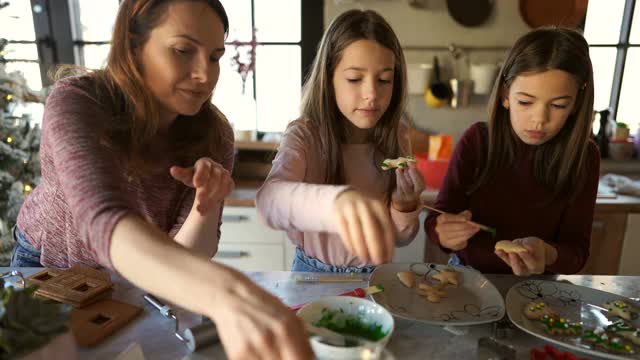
604,133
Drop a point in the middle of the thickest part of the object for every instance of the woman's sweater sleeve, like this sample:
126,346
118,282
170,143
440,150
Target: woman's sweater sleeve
87,170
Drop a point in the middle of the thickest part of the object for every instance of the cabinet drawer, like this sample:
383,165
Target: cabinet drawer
251,256
241,225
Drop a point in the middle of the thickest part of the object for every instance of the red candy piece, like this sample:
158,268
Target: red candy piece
553,352
549,352
537,354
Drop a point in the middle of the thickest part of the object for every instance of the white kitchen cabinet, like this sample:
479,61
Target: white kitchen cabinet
249,245
629,264
414,252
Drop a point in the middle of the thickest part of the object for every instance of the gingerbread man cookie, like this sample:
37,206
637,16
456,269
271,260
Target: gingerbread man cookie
400,162
560,326
510,247
407,278
448,277
538,310
601,339
618,308
622,329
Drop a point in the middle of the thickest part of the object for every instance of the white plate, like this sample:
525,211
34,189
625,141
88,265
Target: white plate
569,301
474,301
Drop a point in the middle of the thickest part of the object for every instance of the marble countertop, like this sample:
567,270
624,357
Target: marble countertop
245,196
411,340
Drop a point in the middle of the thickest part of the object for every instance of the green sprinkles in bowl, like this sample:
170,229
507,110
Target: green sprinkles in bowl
338,321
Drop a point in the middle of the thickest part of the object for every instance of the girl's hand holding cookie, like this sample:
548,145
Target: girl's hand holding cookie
211,180
409,186
454,230
365,227
539,254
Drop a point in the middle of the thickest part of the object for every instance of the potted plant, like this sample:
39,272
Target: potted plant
33,328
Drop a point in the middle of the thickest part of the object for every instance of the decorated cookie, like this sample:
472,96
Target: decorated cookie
407,278
510,246
560,326
538,310
622,329
448,277
400,162
601,339
618,308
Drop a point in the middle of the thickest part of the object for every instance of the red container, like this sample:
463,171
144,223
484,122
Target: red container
433,171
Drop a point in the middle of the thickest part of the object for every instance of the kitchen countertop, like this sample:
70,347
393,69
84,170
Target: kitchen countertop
410,340
245,194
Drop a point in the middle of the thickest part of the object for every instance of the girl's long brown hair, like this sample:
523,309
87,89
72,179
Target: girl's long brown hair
121,89
561,163
319,107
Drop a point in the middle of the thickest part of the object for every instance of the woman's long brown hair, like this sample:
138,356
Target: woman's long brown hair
121,89
319,107
561,163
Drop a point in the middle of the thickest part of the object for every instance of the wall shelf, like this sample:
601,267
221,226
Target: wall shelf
256,145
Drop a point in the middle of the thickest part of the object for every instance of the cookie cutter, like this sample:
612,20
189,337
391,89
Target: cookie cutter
13,273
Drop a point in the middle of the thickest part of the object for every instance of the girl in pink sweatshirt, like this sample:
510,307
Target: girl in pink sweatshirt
326,188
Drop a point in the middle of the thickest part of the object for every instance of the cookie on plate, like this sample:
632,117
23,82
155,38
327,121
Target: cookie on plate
433,293
407,278
538,310
560,326
603,340
448,277
619,308
622,329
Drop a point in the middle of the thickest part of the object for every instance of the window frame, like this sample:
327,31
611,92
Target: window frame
622,47
53,22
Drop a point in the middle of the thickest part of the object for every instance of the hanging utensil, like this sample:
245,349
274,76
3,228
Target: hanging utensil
439,93
537,13
470,13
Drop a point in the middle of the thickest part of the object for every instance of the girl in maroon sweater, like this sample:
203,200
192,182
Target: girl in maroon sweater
531,171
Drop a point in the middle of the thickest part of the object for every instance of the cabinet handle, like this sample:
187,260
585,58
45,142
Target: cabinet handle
597,224
232,254
235,218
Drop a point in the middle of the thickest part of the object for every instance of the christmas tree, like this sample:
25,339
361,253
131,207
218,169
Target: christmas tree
19,145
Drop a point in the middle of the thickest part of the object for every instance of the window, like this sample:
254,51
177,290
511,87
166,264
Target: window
612,29
92,23
44,33
21,53
271,96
